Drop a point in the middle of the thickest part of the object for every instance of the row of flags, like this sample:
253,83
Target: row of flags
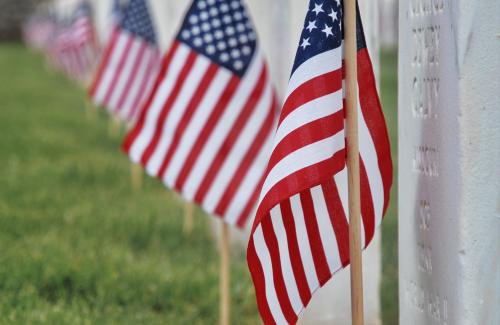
205,119
130,62
70,43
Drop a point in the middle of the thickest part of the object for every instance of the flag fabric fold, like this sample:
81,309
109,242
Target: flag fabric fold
129,64
300,236
206,128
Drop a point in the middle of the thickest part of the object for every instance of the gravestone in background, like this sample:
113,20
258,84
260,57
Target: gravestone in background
449,162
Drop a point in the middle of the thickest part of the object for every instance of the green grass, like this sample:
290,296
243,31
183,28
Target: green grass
78,246
389,285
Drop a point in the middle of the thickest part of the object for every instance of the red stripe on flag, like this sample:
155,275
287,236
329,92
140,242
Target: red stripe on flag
299,181
132,136
259,283
146,79
317,87
231,138
131,77
245,214
168,106
205,133
317,249
293,247
374,117
307,134
117,75
188,115
367,210
246,162
338,219
279,282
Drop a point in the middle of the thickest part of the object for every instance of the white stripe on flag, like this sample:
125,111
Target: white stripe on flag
316,66
368,153
309,112
110,70
326,232
265,260
141,142
176,113
304,157
286,264
222,128
251,181
303,241
125,73
239,149
137,83
198,120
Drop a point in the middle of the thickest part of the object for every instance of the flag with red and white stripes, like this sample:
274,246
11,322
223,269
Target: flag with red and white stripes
129,65
75,46
300,237
206,129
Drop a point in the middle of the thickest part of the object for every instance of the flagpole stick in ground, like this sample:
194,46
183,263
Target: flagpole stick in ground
114,127
188,218
353,162
90,110
224,312
136,176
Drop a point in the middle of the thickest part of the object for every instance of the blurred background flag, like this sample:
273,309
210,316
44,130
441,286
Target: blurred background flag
300,237
129,64
117,11
206,129
38,30
75,45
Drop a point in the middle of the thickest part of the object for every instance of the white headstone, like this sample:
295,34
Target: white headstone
449,162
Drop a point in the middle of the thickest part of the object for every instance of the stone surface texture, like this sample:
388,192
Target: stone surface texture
449,153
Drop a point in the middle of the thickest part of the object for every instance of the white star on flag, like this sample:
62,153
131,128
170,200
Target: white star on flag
311,26
318,8
328,30
305,43
333,14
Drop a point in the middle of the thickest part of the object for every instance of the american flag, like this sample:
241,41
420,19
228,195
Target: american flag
300,237
75,44
129,65
206,129
38,31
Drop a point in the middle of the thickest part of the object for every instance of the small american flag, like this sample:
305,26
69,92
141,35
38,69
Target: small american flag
129,65
300,237
206,129
75,44
38,31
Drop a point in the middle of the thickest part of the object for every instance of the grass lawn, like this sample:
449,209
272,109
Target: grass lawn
78,246
389,285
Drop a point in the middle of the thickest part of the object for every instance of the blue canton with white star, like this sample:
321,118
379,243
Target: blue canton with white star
322,30
137,21
222,31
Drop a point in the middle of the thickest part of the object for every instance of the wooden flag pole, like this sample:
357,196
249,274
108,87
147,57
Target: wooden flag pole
114,127
188,218
225,306
353,162
90,110
136,176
